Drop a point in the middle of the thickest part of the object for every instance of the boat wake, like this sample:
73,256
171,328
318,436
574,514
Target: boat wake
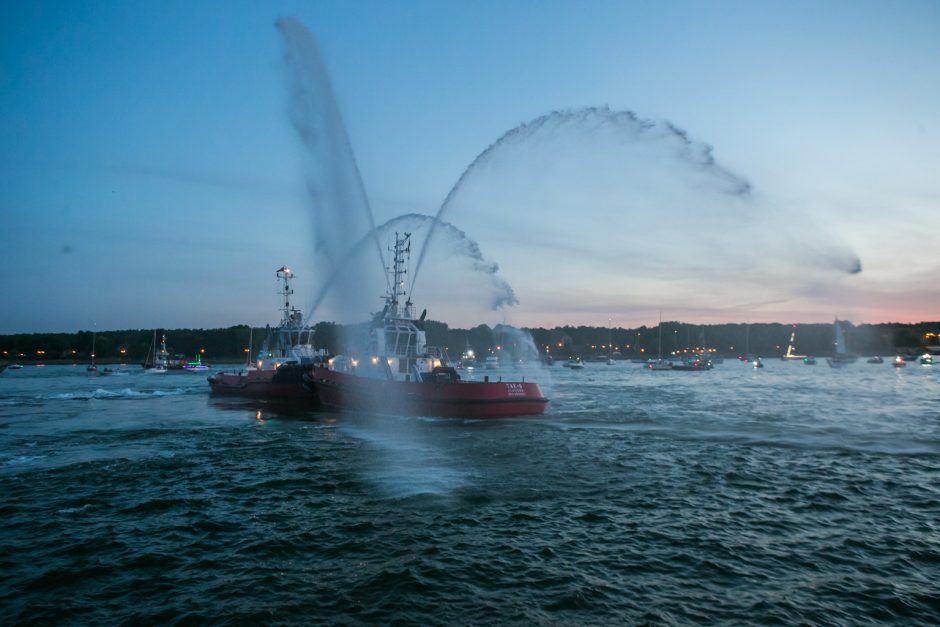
126,393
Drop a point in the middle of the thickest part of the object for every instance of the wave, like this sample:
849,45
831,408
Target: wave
102,394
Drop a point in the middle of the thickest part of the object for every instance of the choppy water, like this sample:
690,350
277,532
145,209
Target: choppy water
793,494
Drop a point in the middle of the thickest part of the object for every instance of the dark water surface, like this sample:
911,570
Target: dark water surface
792,494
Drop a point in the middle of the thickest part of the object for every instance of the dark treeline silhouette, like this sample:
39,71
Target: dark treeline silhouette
229,344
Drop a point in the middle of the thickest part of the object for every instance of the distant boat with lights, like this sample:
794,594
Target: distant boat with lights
286,354
695,364
92,367
158,358
791,355
659,364
401,374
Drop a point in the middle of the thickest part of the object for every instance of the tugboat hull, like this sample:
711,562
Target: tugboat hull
285,383
445,398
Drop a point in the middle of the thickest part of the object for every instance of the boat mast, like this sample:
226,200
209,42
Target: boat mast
790,347
251,331
610,348
398,271
285,275
660,335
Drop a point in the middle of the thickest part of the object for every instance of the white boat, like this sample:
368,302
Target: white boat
158,358
841,357
574,363
758,363
899,362
93,367
491,362
659,364
610,347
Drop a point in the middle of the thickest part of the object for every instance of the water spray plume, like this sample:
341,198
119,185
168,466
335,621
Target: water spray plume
341,211
498,293
625,125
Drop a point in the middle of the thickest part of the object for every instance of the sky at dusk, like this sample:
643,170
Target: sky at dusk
716,161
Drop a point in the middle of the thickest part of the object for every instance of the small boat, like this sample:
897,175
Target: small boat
610,346
400,374
758,363
158,358
575,363
468,358
876,360
659,364
927,360
809,361
287,353
491,362
692,366
899,362
92,367
841,357
791,355
105,372
15,367
196,366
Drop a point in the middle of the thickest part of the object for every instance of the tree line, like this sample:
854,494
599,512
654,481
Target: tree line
230,344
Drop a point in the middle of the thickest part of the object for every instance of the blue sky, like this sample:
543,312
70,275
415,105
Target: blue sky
150,175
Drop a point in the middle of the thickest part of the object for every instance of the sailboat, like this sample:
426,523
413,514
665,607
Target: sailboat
791,355
610,347
748,356
660,364
157,359
841,356
93,367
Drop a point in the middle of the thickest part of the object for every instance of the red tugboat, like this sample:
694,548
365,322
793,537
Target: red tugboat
286,354
402,375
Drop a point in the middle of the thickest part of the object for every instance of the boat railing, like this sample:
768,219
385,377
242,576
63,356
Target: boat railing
438,352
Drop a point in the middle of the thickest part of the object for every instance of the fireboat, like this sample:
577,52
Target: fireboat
401,374
286,354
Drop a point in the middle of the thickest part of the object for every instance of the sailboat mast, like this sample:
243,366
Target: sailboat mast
251,331
610,344
660,335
